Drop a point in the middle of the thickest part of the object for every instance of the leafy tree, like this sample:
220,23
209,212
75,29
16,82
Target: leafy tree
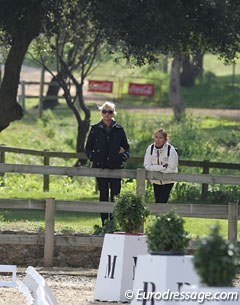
20,22
140,28
145,28
76,47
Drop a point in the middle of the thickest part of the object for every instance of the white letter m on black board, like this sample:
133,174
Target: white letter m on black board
110,267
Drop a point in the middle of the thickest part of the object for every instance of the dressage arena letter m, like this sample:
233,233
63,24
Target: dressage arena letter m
110,268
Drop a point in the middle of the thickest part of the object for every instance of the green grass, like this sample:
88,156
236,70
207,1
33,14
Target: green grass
33,220
197,138
57,130
75,222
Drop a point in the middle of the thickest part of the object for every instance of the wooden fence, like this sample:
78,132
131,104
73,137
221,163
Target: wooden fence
229,212
38,89
205,165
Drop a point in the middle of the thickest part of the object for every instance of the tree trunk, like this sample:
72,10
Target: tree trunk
165,64
49,102
10,110
83,128
198,65
187,74
175,89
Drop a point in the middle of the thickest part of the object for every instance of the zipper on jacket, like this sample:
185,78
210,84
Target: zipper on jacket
158,156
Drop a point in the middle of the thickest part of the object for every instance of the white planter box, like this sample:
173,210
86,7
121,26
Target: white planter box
210,295
117,265
161,275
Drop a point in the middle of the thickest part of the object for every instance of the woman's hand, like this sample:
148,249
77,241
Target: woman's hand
121,150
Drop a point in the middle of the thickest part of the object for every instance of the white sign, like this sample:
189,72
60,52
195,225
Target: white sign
160,278
117,266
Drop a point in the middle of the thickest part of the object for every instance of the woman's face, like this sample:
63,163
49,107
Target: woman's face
159,139
107,115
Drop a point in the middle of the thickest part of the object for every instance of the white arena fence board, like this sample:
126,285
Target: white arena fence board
35,289
5,280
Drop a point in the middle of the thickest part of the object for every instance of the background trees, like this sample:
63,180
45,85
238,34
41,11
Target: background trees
141,29
144,29
76,47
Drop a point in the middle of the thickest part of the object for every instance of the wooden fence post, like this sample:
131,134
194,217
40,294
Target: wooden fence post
141,173
232,221
41,93
2,159
49,232
45,177
205,185
140,177
22,98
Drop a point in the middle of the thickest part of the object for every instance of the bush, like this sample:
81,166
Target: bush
166,233
215,260
130,212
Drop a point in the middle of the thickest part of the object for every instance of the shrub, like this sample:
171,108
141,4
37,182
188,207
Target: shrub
130,211
215,259
166,233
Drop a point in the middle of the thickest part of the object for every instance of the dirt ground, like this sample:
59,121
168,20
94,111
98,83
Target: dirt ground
69,286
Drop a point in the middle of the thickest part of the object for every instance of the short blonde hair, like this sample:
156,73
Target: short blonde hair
163,132
108,106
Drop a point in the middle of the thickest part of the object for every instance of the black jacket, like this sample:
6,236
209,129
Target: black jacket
103,145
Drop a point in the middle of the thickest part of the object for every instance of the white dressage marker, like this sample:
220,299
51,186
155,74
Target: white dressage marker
35,284
4,271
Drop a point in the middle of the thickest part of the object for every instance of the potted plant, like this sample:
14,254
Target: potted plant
215,259
216,262
120,250
166,235
166,267
130,212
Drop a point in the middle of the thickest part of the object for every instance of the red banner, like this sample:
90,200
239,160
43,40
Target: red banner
141,89
100,86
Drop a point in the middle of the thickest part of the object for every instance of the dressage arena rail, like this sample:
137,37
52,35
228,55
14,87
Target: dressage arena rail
46,155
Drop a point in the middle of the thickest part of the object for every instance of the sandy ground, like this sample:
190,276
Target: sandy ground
69,286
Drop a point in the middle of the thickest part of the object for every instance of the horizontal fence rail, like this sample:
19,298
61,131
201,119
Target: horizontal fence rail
118,173
196,210
46,155
50,205
67,155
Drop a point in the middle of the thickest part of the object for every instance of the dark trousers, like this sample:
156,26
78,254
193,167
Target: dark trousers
162,192
105,185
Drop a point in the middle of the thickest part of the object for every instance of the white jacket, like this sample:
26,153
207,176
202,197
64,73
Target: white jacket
159,161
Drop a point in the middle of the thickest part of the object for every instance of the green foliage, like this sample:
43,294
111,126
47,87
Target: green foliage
185,192
215,259
121,26
167,233
109,227
198,138
130,211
